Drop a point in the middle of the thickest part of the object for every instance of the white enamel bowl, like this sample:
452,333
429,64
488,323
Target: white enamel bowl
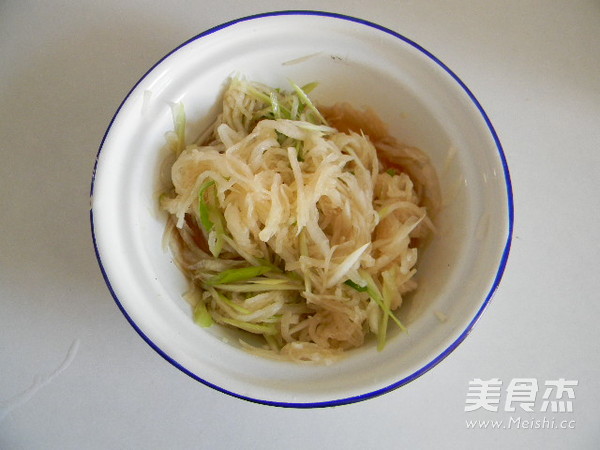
425,105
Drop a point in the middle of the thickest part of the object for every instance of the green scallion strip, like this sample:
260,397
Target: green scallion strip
261,96
273,319
306,101
272,342
266,262
308,88
275,105
294,107
374,293
356,287
269,281
201,315
293,276
203,207
232,304
252,287
256,328
236,275
217,218
299,145
386,292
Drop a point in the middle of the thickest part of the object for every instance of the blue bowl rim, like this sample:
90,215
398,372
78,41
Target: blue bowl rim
443,354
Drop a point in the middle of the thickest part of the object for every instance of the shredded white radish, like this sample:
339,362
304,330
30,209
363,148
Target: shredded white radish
279,208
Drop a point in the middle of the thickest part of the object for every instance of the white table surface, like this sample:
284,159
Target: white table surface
74,374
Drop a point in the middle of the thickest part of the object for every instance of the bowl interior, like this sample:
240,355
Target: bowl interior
424,106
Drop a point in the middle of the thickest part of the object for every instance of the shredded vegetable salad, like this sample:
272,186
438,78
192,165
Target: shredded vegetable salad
296,223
